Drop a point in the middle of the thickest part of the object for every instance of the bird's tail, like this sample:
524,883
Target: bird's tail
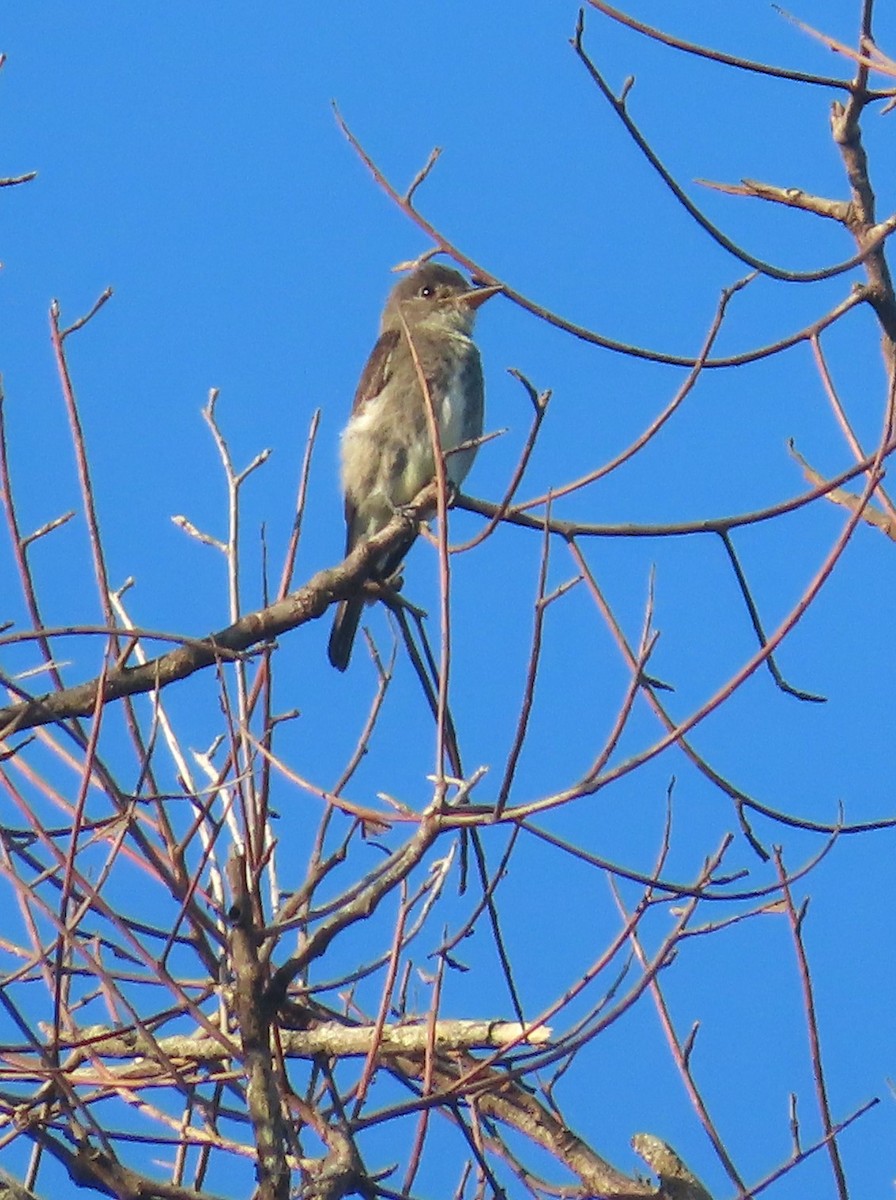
342,636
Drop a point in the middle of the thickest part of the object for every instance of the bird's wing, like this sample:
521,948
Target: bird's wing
377,370
376,374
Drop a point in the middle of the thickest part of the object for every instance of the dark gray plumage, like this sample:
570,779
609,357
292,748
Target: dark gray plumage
387,454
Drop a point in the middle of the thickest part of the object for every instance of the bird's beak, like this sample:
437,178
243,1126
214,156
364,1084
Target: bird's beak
477,296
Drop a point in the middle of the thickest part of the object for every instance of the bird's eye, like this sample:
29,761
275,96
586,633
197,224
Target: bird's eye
426,291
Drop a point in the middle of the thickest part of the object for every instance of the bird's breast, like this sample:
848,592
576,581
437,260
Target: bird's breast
387,455
460,413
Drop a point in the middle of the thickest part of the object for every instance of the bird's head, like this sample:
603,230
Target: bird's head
435,297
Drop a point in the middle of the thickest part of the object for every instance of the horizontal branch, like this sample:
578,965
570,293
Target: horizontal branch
404,1049
310,601
331,1038
305,604
793,197
520,516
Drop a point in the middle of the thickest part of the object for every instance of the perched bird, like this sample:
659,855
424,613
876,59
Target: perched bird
387,451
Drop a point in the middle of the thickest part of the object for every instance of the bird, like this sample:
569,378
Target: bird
386,447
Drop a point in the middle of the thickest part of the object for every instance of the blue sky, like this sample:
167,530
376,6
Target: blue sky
188,156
